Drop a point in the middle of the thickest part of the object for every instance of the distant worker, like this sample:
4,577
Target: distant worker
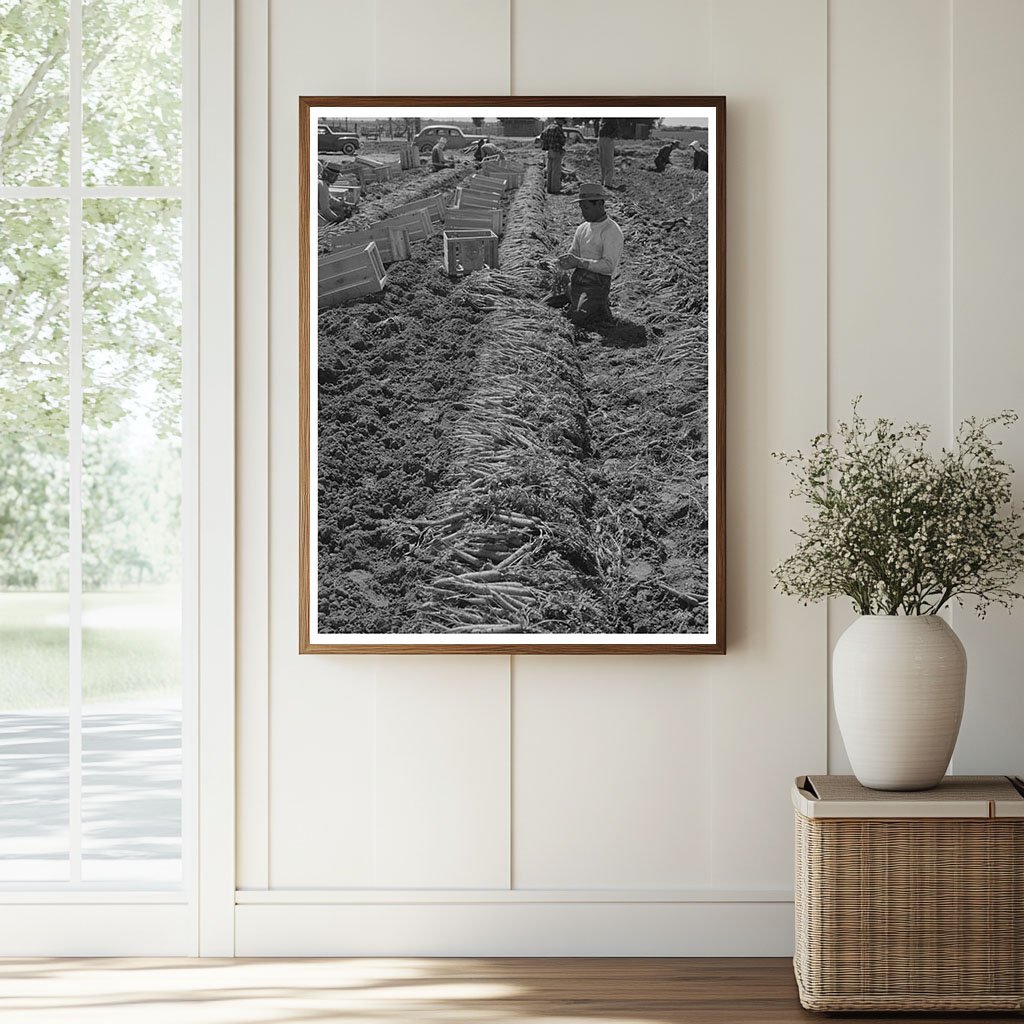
607,133
438,160
478,153
491,151
552,141
700,156
664,157
593,259
332,210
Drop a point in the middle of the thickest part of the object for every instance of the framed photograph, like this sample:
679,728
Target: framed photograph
512,375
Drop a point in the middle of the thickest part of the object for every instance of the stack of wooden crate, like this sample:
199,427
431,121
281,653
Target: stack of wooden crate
408,156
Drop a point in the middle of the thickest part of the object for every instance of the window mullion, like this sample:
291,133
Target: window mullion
75,335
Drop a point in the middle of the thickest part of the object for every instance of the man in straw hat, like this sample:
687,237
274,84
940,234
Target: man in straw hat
593,258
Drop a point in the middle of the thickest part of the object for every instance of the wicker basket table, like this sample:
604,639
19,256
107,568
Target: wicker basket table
910,901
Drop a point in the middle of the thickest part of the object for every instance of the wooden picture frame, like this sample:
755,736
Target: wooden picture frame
482,471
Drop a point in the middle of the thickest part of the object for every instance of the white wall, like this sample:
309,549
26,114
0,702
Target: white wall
626,805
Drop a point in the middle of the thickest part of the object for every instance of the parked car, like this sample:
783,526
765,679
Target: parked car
572,135
330,140
457,138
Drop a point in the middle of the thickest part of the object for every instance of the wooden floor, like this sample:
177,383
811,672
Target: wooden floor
382,991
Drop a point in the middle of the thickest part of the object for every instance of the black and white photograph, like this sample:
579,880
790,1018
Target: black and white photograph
512,375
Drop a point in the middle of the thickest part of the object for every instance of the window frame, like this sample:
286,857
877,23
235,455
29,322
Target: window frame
75,918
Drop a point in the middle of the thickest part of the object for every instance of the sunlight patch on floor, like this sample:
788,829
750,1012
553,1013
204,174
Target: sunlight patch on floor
219,991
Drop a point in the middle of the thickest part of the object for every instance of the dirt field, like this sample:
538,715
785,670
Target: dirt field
486,467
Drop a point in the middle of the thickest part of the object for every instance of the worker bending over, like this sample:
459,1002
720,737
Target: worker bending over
664,157
330,209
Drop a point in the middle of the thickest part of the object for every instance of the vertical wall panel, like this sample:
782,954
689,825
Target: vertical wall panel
611,785
442,797
253,465
889,208
320,709
579,48
442,727
322,759
889,161
339,816
442,48
442,773
769,692
611,756
988,328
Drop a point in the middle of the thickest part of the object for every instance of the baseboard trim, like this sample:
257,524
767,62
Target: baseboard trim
515,928
348,897
74,930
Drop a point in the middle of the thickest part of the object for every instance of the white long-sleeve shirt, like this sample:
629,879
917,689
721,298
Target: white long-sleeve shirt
599,245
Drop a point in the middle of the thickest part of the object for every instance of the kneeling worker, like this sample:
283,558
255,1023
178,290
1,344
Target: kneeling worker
593,258
438,161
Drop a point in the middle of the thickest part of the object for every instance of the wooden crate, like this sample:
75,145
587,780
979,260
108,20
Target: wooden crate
408,156
499,174
366,175
416,222
475,217
349,275
471,198
434,206
392,242
348,194
518,171
484,183
466,250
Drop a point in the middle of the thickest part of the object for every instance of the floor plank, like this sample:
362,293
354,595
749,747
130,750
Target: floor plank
425,991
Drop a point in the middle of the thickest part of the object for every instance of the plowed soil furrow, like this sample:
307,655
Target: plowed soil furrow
484,466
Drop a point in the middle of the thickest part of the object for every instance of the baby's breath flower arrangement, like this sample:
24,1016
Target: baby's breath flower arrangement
899,530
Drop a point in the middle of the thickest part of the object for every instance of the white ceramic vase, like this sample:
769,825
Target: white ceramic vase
898,684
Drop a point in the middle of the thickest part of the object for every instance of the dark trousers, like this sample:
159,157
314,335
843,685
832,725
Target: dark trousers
554,170
588,297
606,157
